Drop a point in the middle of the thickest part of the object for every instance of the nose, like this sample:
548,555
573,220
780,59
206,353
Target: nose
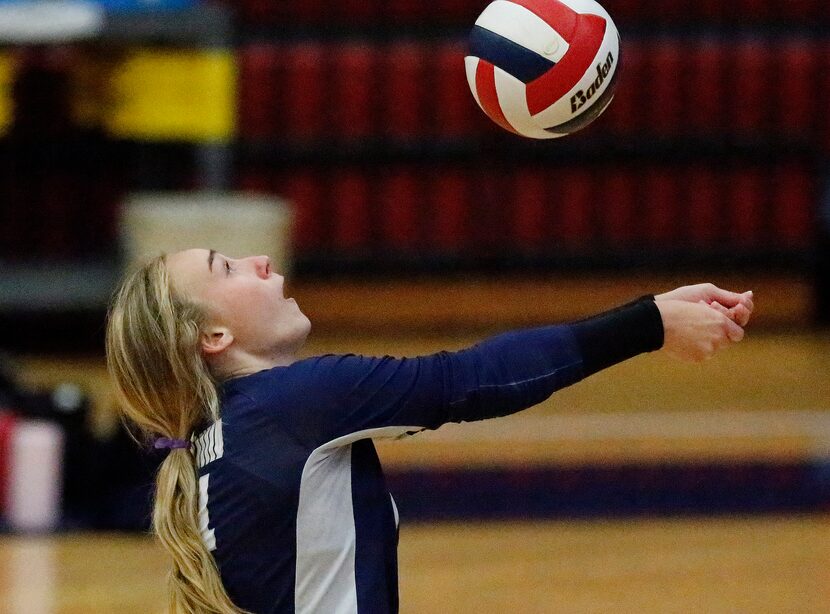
262,265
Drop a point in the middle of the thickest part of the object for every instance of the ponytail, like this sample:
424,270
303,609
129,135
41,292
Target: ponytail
165,389
194,584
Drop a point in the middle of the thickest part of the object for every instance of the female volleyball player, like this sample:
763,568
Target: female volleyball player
271,498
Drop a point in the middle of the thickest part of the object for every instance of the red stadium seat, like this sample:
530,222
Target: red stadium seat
712,12
666,12
666,97
758,10
351,220
746,209
399,206
628,112
307,106
798,92
572,219
706,84
356,11
624,10
449,211
353,91
491,196
794,206
751,87
305,192
454,107
661,223
308,11
791,11
403,91
823,78
407,11
264,11
704,206
258,116
530,209
457,11
618,202
806,11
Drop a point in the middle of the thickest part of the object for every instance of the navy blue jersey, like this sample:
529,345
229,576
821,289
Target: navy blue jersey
293,503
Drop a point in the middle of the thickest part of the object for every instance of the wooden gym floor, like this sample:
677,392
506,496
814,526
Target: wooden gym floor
765,565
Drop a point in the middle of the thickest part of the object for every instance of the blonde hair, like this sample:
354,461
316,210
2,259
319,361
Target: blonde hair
165,389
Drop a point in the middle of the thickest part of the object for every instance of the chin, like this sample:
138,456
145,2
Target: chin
306,327
301,331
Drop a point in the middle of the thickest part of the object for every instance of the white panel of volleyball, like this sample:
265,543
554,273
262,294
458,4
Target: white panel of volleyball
543,68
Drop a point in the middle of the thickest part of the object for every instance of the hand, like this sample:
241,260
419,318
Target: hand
694,331
737,307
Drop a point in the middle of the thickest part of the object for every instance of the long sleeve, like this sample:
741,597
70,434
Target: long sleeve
499,376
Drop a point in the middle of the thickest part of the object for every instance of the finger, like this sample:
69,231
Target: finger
733,331
747,300
740,314
718,307
725,297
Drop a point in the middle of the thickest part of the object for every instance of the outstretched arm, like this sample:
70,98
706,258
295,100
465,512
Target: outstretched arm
519,369
690,323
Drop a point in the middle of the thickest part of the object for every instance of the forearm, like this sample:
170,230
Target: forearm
517,370
617,335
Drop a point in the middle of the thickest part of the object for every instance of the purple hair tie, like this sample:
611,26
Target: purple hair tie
167,442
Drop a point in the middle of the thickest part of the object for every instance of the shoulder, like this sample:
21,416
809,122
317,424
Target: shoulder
336,374
314,375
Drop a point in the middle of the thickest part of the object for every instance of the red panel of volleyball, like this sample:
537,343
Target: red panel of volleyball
543,68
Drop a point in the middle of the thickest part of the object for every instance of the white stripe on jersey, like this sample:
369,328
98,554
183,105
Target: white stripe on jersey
209,445
395,510
208,534
325,574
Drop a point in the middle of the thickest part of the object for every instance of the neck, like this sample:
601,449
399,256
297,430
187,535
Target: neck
239,364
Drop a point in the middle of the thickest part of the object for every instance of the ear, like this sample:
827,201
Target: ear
215,340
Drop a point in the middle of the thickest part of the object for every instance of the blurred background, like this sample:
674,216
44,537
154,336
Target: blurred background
342,139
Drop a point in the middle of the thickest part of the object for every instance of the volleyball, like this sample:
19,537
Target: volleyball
543,68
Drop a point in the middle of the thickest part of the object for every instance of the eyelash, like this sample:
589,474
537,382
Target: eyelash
228,268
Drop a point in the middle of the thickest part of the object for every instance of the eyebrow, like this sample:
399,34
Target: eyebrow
210,259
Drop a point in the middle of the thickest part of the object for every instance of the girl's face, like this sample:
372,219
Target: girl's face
242,296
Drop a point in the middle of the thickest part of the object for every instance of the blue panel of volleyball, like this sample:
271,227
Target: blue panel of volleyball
543,68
